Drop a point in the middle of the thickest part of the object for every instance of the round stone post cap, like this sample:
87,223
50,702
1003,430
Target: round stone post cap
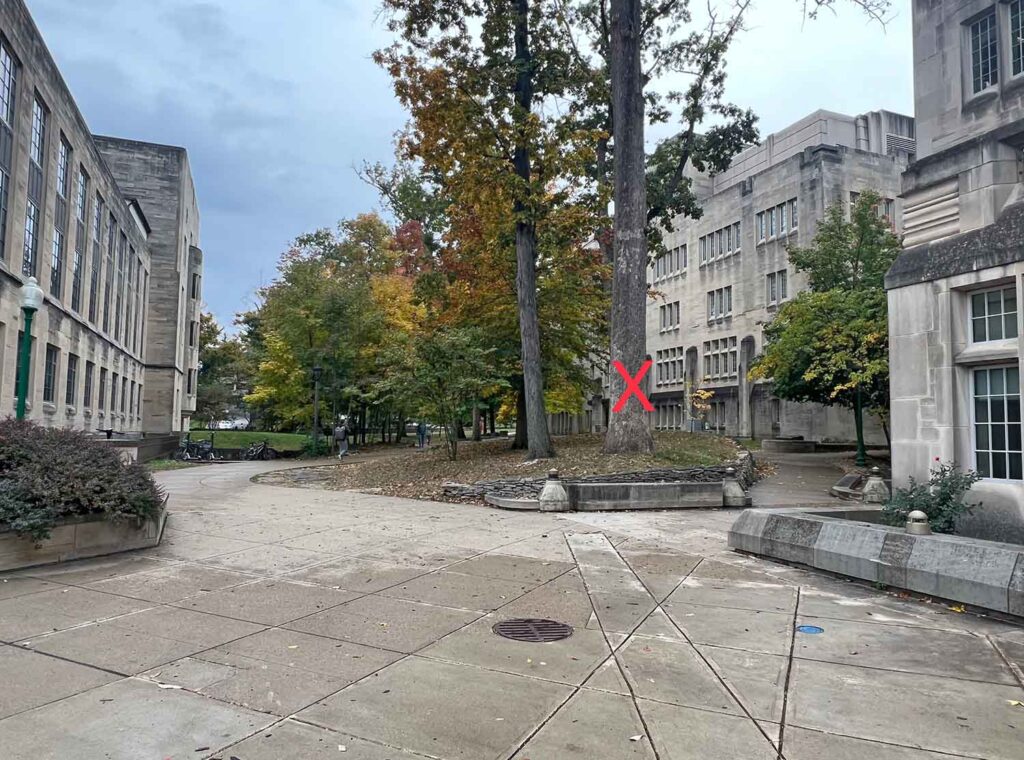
876,472
917,516
552,474
731,471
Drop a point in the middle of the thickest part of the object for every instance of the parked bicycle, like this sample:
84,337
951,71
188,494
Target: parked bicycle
260,451
195,450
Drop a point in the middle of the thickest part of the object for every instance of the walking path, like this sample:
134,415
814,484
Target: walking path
295,623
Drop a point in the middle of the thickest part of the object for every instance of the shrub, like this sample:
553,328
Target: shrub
322,447
941,498
48,474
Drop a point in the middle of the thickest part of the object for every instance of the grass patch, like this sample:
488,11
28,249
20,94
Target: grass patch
241,439
420,474
162,465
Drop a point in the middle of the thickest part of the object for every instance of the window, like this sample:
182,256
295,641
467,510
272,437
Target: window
195,285
8,82
97,261
719,303
792,214
124,394
782,218
28,264
101,397
37,144
131,398
64,169
109,266
984,52
188,390
760,228
138,402
997,424
50,373
1017,36
78,260
737,245
775,287
721,358
90,370
771,223
113,392
71,391
665,264
670,316
994,315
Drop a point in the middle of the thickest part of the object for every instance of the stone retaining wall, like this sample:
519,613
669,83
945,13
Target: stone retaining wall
78,538
973,571
530,488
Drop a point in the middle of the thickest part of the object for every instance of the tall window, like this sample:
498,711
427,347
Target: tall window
72,385
195,285
113,392
122,253
994,315
50,374
760,227
8,86
90,370
36,154
60,217
997,424
97,261
101,397
108,283
792,214
78,261
1017,36
984,52
124,394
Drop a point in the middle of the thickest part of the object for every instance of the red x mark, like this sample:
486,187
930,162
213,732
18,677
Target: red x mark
632,386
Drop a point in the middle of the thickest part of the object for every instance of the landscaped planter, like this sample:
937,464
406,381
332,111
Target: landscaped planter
78,538
849,542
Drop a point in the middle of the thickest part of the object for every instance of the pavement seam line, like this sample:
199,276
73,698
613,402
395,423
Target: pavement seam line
1014,668
717,675
789,672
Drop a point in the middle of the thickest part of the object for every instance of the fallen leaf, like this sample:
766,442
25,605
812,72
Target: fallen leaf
1015,703
958,608
636,738
168,686
293,646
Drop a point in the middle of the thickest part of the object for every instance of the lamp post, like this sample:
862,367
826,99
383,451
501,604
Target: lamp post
31,302
317,371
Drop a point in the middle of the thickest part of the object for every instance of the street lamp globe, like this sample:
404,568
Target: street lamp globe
31,295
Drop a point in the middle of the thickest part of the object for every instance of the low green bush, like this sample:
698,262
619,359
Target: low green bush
941,498
47,474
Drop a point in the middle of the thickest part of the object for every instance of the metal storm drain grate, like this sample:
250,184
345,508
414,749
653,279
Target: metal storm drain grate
533,629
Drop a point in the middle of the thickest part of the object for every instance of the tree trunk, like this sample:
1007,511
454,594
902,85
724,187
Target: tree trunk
491,414
476,422
519,442
538,439
627,429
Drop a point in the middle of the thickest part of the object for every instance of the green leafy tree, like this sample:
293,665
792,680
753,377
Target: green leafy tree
441,375
224,372
830,345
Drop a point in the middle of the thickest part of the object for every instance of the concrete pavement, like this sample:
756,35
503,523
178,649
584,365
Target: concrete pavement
295,623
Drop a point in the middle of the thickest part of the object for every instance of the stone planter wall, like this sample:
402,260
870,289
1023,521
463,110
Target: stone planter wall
78,538
691,488
981,573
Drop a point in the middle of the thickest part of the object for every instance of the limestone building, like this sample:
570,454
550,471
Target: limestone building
954,293
111,346
725,275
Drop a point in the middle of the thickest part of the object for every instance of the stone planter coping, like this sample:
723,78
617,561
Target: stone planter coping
78,538
845,541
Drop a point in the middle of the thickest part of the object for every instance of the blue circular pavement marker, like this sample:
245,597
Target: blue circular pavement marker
809,629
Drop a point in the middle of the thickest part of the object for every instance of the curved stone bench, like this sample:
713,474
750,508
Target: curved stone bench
981,573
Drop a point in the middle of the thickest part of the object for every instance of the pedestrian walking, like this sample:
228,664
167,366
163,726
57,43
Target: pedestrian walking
341,439
421,434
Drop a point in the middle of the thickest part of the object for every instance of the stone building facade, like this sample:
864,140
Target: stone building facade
954,293
159,176
69,221
725,275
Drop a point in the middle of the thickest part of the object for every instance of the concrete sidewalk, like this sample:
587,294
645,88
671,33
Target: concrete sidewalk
281,623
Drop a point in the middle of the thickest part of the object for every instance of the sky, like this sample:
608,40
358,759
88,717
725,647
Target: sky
278,108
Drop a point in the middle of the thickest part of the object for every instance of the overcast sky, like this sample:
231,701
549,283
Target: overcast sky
277,102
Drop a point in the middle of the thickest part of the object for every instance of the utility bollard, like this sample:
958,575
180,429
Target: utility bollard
554,497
